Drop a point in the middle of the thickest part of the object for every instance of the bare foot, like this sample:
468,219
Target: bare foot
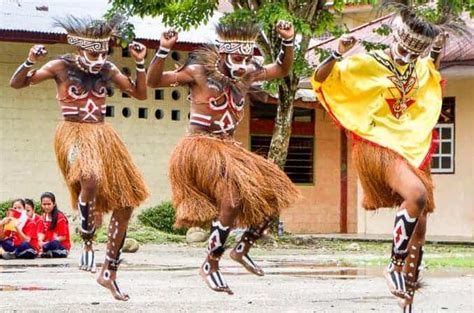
246,261
396,284
406,305
209,271
107,280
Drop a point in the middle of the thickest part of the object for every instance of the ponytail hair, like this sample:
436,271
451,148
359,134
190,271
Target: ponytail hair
55,211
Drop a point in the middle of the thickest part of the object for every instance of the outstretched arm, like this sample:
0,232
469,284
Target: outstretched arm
284,62
324,69
135,89
155,76
25,75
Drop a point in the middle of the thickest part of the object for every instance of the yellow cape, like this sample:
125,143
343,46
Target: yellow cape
365,95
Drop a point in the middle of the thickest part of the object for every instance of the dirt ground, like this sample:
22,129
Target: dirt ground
162,278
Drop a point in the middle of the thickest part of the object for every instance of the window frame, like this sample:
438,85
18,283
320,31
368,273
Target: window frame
439,128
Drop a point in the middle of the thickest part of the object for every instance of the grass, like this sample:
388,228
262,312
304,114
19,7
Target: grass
369,253
429,261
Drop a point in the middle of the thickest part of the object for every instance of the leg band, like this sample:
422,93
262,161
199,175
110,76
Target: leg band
402,232
86,211
219,234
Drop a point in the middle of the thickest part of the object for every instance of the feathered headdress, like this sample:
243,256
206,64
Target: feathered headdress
237,38
416,33
88,33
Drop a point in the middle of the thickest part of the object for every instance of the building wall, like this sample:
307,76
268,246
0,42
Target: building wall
318,211
28,118
454,193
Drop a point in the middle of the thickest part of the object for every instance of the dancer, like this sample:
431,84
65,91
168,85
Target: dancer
390,102
212,177
96,165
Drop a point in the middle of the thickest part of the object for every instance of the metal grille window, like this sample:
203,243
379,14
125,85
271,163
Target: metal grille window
443,158
299,164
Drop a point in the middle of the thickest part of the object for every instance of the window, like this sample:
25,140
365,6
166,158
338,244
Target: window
159,114
443,157
175,115
109,111
159,94
299,162
126,112
175,95
142,112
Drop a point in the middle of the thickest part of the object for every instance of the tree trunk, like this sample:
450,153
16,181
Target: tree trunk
282,130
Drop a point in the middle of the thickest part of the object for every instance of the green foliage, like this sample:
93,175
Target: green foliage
182,14
5,205
161,217
369,46
383,30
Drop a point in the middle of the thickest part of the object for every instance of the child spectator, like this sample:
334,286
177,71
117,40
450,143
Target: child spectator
30,212
54,235
20,233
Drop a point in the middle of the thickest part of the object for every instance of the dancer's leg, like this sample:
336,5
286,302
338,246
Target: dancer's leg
241,250
86,206
115,239
403,181
413,261
220,230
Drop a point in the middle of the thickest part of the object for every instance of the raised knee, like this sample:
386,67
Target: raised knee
419,198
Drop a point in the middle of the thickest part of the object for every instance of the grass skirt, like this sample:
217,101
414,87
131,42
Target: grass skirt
205,171
372,162
95,151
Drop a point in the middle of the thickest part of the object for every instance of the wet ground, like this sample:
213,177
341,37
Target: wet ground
165,279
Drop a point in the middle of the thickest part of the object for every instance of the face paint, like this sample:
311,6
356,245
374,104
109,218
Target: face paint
91,64
401,55
238,69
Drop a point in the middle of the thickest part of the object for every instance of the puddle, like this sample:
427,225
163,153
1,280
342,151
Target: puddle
20,288
31,265
328,269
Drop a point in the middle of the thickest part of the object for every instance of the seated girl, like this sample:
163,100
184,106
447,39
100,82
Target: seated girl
54,231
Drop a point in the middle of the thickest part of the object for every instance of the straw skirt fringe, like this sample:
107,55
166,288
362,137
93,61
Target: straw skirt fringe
95,151
372,162
206,171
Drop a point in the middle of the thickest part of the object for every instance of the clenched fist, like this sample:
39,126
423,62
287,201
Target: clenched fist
37,52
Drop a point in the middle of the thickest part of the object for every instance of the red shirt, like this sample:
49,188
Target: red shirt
61,230
30,229
39,222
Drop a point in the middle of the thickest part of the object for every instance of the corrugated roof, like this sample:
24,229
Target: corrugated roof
36,16
455,50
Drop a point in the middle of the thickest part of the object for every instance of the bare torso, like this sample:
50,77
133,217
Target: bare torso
215,108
